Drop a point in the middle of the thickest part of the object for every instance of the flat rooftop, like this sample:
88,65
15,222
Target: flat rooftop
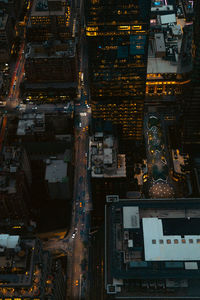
161,247
56,49
104,160
40,8
176,44
30,123
151,249
56,171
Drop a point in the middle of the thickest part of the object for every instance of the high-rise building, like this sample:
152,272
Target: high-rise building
51,62
117,34
49,19
192,99
169,54
27,271
12,7
151,249
6,37
51,56
15,181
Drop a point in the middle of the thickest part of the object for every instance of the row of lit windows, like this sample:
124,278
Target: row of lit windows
116,33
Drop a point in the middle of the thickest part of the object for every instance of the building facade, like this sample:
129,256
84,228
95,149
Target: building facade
6,37
117,36
191,134
49,19
27,271
15,181
51,53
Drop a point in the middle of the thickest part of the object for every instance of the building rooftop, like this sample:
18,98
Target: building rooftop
26,271
41,8
161,247
174,33
104,160
31,123
54,49
3,21
56,171
150,248
157,159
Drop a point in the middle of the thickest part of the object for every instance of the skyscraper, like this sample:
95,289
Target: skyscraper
192,101
117,34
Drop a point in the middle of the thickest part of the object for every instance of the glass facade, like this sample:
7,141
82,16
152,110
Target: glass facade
117,33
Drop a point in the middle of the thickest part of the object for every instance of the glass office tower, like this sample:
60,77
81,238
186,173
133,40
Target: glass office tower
191,132
117,33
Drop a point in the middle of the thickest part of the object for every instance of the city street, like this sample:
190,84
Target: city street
18,73
75,243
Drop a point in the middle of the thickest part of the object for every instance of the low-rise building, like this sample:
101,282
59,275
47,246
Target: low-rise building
50,19
28,272
169,53
56,176
15,181
104,160
31,123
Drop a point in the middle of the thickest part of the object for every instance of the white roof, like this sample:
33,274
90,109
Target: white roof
168,247
131,217
9,241
169,18
107,156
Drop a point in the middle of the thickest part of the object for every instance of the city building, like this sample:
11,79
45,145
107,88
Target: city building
57,179
51,55
152,249
107,168
31,124
104,161
6,37
117,35
158,164
15,181
52,62
191,132
169,53
12,7
28,272
49,19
